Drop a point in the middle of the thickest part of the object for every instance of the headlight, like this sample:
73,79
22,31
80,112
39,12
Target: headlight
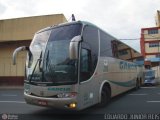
67,95
27,91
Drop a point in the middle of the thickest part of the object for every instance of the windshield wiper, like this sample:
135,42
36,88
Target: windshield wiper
49,66
47,59
38,61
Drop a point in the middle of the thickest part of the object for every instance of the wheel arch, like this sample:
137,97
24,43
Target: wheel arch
105,83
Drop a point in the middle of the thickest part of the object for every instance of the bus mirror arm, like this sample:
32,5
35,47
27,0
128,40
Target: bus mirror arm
22,48
73,48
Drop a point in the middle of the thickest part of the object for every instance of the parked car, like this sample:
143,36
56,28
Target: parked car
150,77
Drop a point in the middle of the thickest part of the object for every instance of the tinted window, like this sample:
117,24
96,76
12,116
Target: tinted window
90,41
85,64
58,67
105,44
110,47
65,32
123,51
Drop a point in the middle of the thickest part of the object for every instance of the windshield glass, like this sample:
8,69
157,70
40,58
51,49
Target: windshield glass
149,73
57,67
37,47
38,43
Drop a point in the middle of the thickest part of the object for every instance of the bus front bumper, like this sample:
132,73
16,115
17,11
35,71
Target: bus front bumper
61,103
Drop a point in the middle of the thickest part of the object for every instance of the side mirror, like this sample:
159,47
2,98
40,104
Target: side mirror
73,47
16,51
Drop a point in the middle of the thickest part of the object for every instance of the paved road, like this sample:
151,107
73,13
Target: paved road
140,102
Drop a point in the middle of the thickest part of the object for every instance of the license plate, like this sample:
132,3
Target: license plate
42,102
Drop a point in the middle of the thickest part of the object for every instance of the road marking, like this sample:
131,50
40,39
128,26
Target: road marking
137,94
9,95
12,102
153,101
149,87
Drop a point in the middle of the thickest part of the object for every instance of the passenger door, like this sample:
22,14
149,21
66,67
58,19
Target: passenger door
88,62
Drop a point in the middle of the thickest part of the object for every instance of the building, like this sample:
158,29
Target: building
150,45
19,32
158,18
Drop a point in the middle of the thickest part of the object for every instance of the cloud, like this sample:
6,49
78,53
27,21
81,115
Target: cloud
120,18
2,8
123,15
20,8
66,7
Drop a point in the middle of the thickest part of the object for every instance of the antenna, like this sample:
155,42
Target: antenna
73,17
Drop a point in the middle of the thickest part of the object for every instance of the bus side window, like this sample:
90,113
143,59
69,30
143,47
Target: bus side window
85,70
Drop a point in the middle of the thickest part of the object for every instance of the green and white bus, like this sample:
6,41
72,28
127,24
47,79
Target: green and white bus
77,65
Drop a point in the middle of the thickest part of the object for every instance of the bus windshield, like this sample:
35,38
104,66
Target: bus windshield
150,73
57,66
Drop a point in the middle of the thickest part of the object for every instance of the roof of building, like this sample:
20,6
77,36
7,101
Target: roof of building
24,28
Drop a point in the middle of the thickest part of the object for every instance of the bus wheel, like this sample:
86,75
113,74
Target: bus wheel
105,96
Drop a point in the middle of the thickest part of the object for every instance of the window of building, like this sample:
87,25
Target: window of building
123,52
153,31
158,56
154,45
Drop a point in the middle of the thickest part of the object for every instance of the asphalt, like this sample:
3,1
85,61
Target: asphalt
145,101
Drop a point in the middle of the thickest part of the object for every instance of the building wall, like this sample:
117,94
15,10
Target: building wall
150,48
24,28
150,43
15,33
6,51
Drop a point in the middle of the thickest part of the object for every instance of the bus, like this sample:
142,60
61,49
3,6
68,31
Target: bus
76,65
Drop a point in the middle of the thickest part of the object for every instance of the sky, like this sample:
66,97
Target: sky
122,19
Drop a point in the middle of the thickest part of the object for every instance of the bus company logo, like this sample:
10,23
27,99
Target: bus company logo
4,116
126,65
59,89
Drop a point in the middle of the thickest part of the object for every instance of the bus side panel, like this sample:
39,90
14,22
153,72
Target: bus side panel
88,92
121,77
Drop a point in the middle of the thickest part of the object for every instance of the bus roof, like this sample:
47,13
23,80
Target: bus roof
74,22
83,23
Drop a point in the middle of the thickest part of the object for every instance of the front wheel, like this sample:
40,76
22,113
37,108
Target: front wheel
105,96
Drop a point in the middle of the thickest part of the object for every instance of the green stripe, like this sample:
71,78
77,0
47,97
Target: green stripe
129,83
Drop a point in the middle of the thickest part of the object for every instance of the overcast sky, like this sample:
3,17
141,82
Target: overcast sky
121,18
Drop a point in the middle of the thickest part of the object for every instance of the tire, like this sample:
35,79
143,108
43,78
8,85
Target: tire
137,85
105,96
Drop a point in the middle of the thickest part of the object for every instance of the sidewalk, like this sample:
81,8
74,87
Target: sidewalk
11,87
